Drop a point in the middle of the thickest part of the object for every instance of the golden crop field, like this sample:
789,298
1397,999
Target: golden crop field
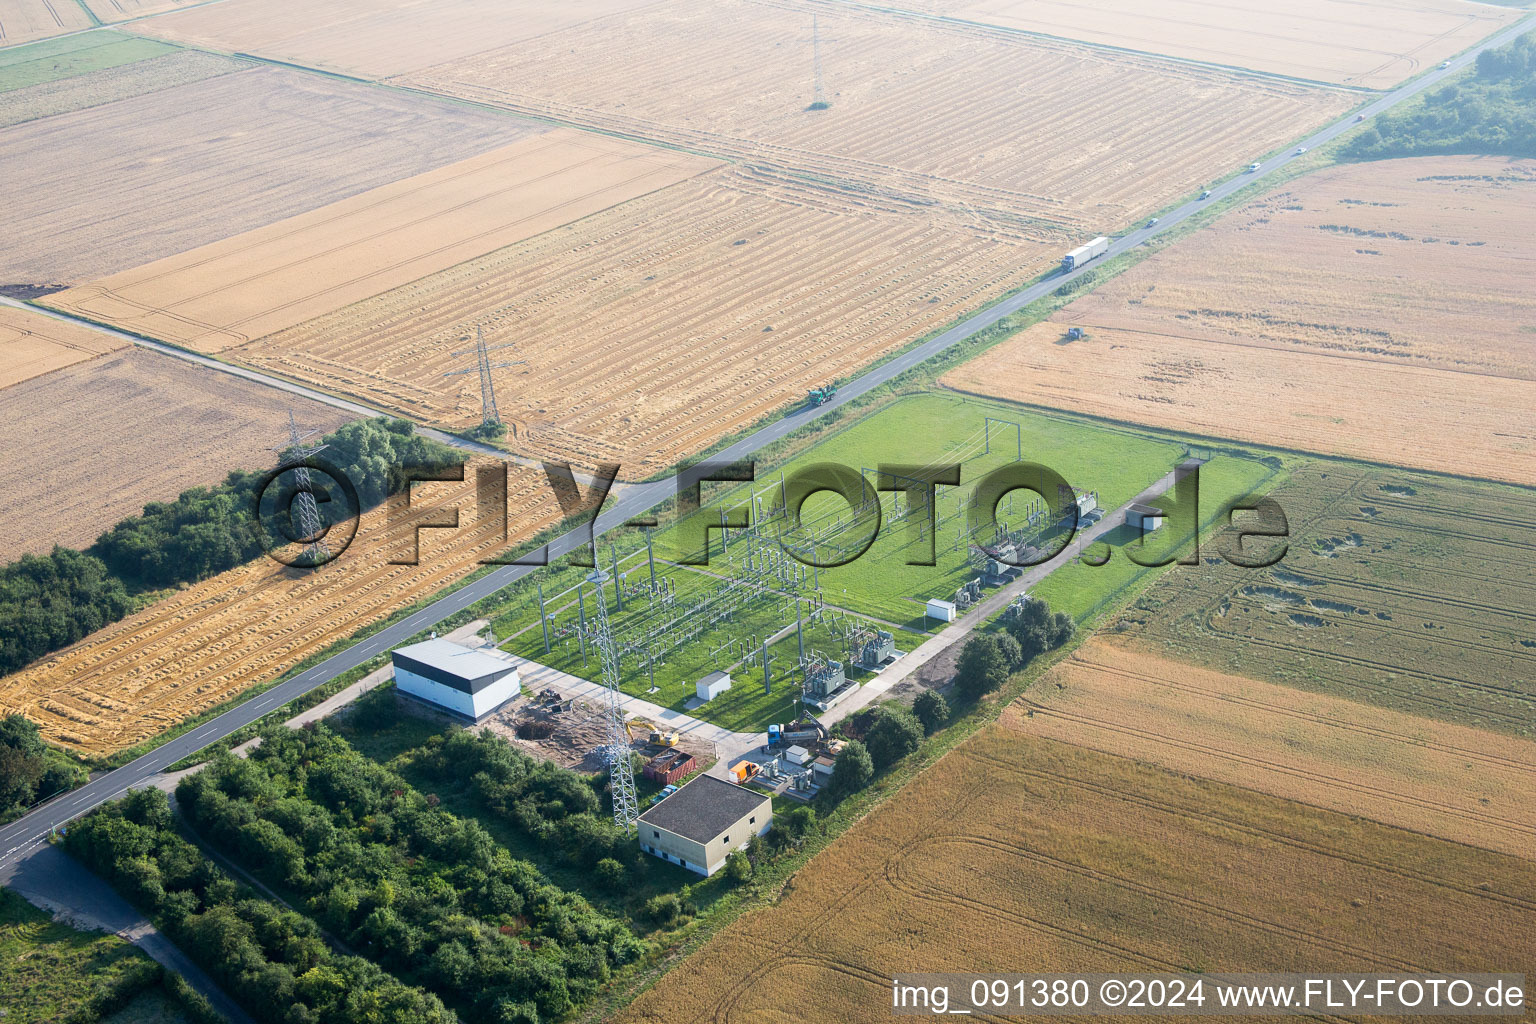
208,643
1372,44
120,184
919,108
92,443
654,327
1379,310
22,21
32,344
263,281
371,38
1015,853
1466,785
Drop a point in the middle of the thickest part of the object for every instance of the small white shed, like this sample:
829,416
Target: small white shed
944,611
797,755
713,685
1143,517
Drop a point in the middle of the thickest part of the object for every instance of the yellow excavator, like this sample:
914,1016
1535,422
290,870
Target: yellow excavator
653,733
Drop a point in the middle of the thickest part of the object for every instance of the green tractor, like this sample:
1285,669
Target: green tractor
821,395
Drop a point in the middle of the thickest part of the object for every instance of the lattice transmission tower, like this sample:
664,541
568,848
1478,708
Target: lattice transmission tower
291,457
621,773
488,412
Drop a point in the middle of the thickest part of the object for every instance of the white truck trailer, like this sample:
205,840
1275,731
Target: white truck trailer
1084,253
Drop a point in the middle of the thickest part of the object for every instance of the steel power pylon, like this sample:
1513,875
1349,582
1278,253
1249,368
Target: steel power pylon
488,411
291,457
818,91
621,774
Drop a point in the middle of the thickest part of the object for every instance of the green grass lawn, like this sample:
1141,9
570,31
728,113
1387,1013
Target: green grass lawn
54,59
877,590
941,428
48,970
1082,589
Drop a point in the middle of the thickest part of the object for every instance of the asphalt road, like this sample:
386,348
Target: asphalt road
22,835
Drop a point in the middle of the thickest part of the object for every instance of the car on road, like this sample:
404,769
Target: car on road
1444,64
1300,150
1359,117
1252,168
1152,223
1206,194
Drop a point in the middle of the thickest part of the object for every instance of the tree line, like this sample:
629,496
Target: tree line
30,770
427,895
271,960
51,601
1491,111
985,663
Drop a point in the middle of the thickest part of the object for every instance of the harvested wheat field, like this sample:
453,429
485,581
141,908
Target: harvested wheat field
1381,311
121,184
109,85
32,344
1015,853
111,11
241,288
1397,589
654,327
91,444
922,109
206,644
1466,785
1371,44
22,21
371,38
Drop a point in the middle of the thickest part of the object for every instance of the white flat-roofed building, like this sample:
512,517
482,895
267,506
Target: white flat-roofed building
944,611
713,685
468,681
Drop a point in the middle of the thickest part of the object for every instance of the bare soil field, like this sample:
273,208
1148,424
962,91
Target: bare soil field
654,327
22,21
370,38
1372,44
45,99
1015,850
32,344
1397,589
93,443
275,277
206,644
921,109
1380,310
124,183
1466,785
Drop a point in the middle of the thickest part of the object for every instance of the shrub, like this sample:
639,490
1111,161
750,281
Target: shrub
610,874
932,710
895,734
665,909
1038,630
982,668
852,770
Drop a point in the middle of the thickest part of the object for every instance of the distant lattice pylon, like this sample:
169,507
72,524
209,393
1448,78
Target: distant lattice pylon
304,510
